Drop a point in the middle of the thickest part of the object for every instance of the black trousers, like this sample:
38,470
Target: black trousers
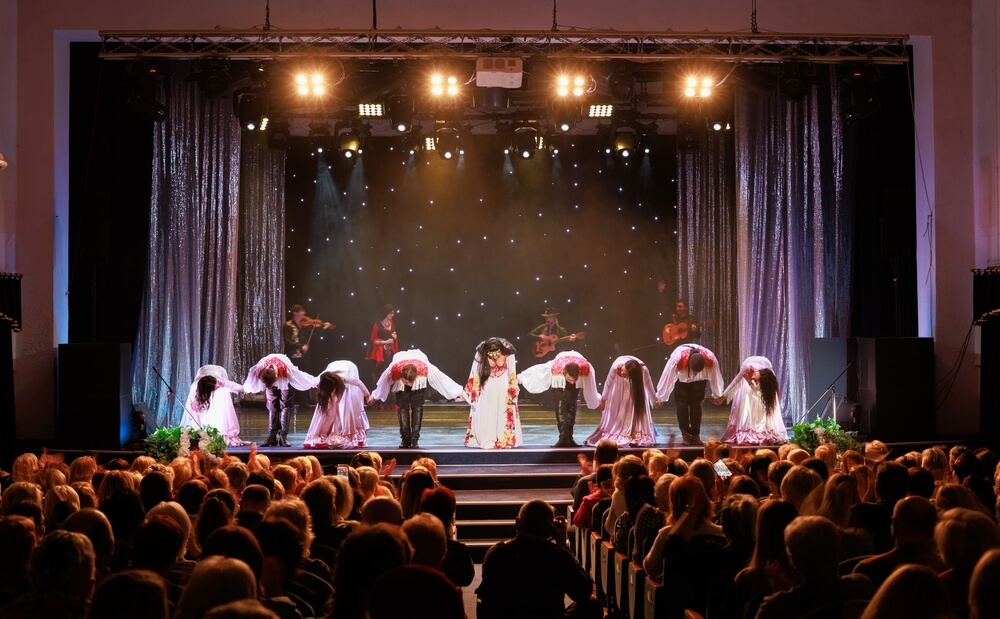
688,397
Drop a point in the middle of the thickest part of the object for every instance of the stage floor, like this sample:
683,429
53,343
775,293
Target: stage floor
444,425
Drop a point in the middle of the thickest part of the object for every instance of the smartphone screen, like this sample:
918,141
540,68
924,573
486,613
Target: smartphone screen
721,469
342,470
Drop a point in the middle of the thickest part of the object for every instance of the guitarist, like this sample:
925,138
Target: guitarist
685,325
549,331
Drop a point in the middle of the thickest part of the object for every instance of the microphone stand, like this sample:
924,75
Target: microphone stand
173,394
832,388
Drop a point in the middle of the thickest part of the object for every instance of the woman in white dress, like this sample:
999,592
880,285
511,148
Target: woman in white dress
494,421
339,421
210,403
755,416
625,405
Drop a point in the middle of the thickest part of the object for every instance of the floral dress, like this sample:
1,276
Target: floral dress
494,421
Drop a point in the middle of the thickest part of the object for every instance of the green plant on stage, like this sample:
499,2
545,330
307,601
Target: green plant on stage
168,443
811,434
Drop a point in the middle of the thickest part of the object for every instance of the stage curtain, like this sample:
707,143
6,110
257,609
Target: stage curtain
191,300
772,259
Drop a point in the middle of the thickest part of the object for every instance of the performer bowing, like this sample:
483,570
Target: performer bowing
564,376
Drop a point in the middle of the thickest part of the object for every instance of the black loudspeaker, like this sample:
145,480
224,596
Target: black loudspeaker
896,388
829,358
94,399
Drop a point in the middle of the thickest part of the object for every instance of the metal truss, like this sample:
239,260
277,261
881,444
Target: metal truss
571,45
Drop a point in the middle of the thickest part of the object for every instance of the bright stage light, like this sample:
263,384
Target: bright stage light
448,142
370,110
310,84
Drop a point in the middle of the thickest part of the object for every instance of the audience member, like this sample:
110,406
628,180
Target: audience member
911,591
367,553
891,481
984,595
913,522
382,509
60,579
130,594
215,581
605,452
96,526
415,592
457,565
963,536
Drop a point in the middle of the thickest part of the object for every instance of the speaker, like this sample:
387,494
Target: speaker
833,360
896,388
94,398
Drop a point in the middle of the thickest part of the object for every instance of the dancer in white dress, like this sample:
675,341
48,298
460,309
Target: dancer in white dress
625,405
273,375
494,420
339,421
210,403
755,416
565,375
407,377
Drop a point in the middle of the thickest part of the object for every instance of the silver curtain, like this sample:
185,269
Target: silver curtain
773,258
197,294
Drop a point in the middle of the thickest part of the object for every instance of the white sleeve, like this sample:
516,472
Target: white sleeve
537,378
443,383
383,385
590,394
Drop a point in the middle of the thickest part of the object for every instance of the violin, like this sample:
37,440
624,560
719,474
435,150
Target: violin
315,322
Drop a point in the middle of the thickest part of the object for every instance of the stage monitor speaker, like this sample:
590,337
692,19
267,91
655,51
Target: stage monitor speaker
896,388
94,398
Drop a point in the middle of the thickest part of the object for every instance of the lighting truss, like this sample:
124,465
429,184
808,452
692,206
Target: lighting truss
579,45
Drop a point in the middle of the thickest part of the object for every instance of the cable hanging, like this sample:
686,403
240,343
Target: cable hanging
753,17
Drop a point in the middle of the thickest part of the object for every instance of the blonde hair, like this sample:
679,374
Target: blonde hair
215,581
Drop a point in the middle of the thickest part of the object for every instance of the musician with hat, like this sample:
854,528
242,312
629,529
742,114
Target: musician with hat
550,333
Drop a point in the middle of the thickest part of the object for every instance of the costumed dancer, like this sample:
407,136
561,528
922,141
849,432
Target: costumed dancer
689,370
755,416
339,421
494,420
564,376
273,375
408,376
625,405
210,403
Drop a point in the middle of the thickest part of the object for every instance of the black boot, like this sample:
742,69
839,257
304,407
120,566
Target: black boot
418,419
283,435
405,435
569,414
557,404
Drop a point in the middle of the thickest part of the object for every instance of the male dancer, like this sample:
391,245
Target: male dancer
689,370
408,376
273,375
563,376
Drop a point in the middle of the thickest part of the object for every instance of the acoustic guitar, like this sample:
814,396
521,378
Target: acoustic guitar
672,332
544,347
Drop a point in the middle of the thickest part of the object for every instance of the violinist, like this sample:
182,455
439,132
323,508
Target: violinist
295,335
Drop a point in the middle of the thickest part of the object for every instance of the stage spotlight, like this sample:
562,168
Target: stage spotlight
624,142
564,116
688,136
143,100
412,142
444,85
310,83
371,110
448,143
212,76
320,140
556,143
647,139
349,143
252,111
698,86
571,85
718,123
525,142
401,112
600,107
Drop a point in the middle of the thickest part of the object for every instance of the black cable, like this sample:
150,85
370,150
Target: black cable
267,15
953,374
374,14
555,24
753,17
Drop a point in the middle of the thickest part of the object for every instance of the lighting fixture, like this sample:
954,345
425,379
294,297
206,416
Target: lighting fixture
698,86
252,111
624,142
525,142
600,107
444,85
448,143
212,76
401,112
371,110
571,85
310,83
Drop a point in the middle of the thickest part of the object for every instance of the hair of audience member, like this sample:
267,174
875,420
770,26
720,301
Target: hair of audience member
428,538
649,453
382,509
60,503
63,562
712,447
216,479
369,480
984,596
638,491
281,539
605,452
773,517
784,450
96,526
191,495
314,468
367,552
683,493
626,468
703,470
661,491
289,478
242,609
362,458
98,478
963,536
441,502
236,542
415,592
910,459
141,463
82,468
738,517
157,544
813,546
225,495
743,484
237,472
921,483
828,454
319,497
799,484
678,467
343,499
215,581
154,488
914,519
535,519
29,510
116,483
131,594
891,481
817,465
757,469
910,591
863,477
25,467
657,465
797,455
849,459
85,492
124,509
264,478
18,540
214,514
935,460
182,471
947,496
429,464
296,512
967,465
412,490
840,494
279,491
175,512
255,498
